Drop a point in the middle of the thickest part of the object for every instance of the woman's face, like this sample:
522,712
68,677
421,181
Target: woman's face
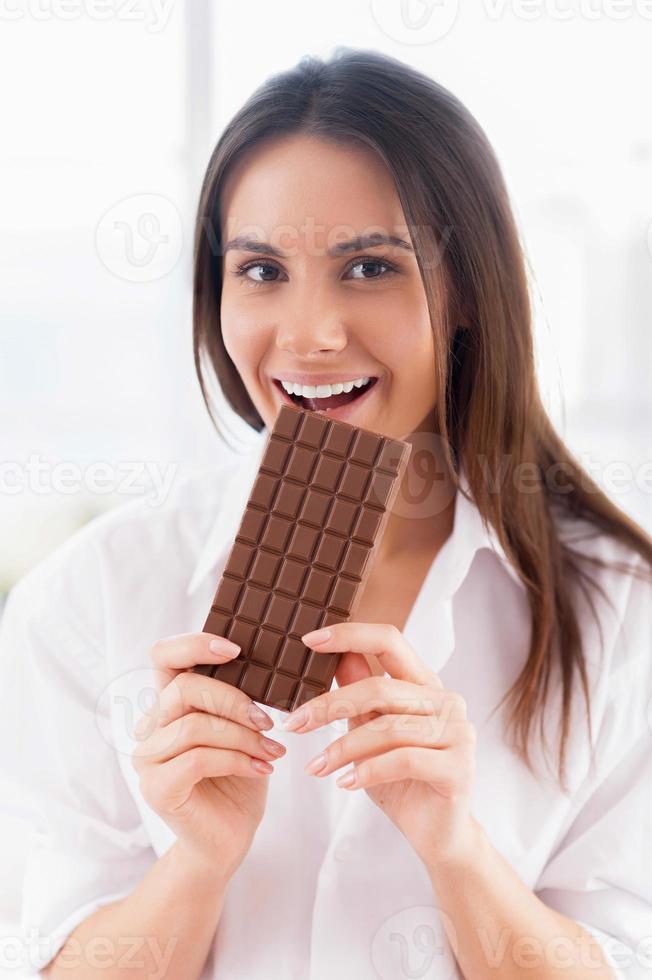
300,305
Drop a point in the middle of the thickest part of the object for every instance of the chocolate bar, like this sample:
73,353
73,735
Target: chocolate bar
305,546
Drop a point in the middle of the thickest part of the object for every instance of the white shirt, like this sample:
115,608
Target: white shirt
329,887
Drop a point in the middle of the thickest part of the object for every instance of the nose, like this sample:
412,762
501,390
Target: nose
307,331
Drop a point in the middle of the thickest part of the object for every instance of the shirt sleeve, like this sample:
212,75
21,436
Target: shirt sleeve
84,842
600,873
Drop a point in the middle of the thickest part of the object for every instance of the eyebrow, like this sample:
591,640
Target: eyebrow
245,244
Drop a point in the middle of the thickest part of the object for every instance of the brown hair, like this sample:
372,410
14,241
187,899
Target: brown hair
491,418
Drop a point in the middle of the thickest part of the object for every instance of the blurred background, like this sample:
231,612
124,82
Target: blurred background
109,113
110,110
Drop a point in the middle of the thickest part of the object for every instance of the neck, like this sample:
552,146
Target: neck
422,515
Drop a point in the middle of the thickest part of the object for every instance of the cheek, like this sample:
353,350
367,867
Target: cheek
399,317
244,339
410,355
402,339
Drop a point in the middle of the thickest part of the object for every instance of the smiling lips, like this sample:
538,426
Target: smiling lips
330,402
322,390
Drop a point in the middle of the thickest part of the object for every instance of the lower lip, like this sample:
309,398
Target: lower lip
344,412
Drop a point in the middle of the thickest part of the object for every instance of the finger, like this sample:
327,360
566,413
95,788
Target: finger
441,770
354,667
390,732
190,691
199,728
363,718
385,695
381,640
168,787
172,654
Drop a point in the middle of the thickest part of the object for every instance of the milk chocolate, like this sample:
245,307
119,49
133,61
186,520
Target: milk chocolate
304,548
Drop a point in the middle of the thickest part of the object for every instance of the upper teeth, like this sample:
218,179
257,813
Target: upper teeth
322,391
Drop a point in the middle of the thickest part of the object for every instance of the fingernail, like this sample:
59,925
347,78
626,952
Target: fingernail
295,720
316,765
271,746
317,636
223,648
262,766
348,779
260,718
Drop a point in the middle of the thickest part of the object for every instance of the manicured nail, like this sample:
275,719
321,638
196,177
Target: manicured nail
223,648
316,765
295,720
317,636
348,779
260,718
272,747
262,766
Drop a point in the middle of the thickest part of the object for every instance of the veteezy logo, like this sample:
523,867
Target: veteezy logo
155,14
415,21
37,475
413,943
426,21
140,238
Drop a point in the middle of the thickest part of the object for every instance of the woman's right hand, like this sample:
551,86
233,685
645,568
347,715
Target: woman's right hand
202,760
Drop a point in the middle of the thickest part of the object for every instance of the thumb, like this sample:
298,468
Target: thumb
351,668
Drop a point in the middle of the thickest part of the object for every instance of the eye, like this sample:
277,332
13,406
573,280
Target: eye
242,270
269,270
373,261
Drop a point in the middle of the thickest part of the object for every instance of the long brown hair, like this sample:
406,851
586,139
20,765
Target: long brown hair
492,418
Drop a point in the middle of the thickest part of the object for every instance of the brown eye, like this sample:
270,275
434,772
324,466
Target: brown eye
371,263
243,270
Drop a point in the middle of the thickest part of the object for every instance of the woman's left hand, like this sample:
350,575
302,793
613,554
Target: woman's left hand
411,745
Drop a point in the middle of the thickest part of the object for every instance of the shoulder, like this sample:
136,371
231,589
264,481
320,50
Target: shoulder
615,618
614,565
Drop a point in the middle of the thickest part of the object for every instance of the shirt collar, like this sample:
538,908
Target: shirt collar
469,534
234,495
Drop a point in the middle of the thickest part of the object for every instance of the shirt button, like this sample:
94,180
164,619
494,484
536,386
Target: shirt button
344,849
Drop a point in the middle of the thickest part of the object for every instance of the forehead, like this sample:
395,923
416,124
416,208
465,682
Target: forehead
302,186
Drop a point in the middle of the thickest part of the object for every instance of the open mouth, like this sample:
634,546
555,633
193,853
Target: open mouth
329,403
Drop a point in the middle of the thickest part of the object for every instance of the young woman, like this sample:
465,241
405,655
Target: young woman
472,798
